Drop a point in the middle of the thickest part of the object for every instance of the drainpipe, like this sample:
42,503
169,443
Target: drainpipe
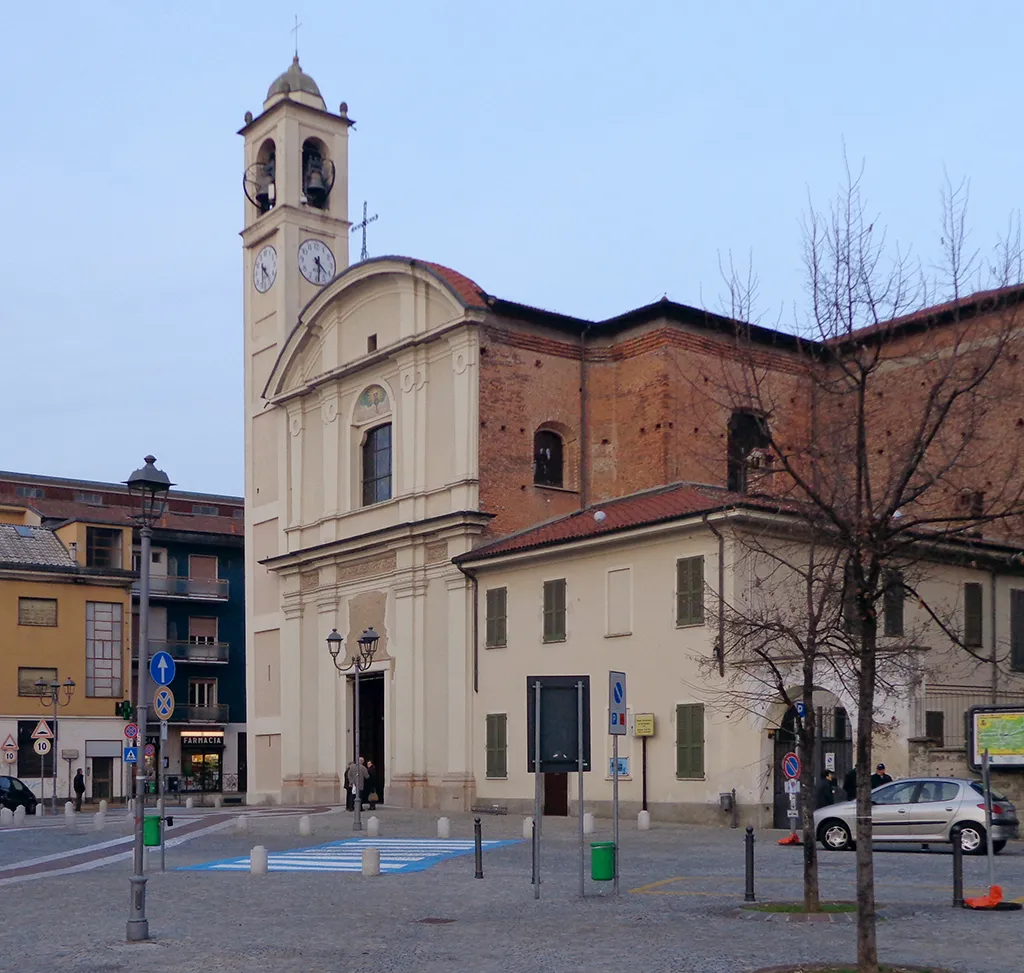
476,625
993,577
721,593
584,432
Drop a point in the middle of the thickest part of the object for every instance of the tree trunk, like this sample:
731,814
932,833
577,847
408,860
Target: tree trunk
867,942
808,733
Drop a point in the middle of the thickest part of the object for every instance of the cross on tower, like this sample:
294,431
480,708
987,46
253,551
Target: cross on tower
295,31
363,254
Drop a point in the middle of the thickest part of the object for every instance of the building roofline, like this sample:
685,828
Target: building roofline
42,479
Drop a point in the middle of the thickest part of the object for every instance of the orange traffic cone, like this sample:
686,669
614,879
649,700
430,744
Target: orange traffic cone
990,901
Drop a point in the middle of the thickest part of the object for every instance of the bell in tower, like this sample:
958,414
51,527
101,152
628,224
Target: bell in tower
259,182
317,174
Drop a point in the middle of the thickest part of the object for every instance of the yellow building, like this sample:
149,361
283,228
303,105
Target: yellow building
65,613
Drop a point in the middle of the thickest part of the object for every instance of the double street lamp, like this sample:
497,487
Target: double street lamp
49,695
360,662
148,488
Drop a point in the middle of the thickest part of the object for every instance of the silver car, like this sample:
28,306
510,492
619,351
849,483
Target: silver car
923,810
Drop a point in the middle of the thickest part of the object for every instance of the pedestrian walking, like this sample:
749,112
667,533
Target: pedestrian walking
880,777
370,787
826,794
356,776
351,776
850,784
79,786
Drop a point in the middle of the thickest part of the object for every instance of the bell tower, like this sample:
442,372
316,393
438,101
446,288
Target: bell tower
295,240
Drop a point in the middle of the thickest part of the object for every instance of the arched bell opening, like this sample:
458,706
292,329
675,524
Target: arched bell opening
317,174
260,181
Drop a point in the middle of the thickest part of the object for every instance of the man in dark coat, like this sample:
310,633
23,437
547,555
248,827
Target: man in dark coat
826,790
79,786
880,777
850,784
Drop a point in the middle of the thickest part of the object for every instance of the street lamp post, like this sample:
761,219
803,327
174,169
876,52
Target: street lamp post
361,661
148,487
49,694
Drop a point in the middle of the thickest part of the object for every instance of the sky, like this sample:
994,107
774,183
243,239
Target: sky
586,157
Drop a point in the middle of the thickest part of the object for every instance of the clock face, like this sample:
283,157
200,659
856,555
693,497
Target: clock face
316,261
264,270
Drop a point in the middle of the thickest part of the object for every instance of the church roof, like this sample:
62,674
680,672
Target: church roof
468,291
294,79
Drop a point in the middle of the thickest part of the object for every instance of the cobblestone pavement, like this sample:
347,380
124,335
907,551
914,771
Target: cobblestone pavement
680,887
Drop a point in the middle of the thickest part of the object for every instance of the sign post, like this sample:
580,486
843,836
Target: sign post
791,771
616,727
643,727
579,780
42,735
537,784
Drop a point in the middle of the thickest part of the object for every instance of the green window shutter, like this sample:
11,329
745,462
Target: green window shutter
497,618
1017,629
554,610
497,745
690,591
972,614
690,740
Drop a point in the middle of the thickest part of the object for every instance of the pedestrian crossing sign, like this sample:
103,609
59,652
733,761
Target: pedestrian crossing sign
131,755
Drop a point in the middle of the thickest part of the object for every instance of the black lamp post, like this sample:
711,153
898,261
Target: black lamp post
148,488
49,695
360,662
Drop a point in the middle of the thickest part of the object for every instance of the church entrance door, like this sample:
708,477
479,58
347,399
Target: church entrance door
371,725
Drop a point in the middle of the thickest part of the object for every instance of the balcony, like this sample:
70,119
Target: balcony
218,713
188,651
175,586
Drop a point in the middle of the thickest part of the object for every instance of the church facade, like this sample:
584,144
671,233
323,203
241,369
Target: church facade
397,417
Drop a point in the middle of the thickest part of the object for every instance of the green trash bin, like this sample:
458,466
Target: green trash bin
602,861
151,830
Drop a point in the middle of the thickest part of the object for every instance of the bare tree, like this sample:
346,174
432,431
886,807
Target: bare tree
907,437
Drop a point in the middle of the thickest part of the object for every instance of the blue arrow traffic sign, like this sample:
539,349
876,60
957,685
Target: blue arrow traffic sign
161,668
131,755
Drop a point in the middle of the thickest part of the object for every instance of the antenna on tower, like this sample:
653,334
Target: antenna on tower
367,220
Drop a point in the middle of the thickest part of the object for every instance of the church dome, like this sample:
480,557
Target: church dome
294,81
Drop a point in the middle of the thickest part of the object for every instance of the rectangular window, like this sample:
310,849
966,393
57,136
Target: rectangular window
202,631
205,510
28,677
202,567
497,618
202,693
377,465
619,602
935,727
972,615
93,499
893,604
497,745
1017,629
37,611
554,610
104,648
690,591
102,547
31,493
690,740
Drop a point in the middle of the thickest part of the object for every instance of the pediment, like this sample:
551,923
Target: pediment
380,303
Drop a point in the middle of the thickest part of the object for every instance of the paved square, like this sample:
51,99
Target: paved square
397,855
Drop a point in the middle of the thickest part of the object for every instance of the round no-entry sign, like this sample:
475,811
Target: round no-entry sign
791,765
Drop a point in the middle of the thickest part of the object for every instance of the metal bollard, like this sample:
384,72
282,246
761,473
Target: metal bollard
478,840
748,891
958,873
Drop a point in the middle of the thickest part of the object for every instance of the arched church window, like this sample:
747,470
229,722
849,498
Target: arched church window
377,465
547,458
317,174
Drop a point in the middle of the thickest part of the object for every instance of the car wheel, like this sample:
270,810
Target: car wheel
998,846
835,836
971,837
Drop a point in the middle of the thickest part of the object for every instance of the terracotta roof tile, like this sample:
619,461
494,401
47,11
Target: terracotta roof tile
665,503
468,291
33,546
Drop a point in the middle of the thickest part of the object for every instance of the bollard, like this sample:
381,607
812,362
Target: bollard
189,803
748,891
958,873
6,816
40,810
218,801
99,821
69,818
444,828
643,821
103,807
588,823
19,816
371,862
258,861
527,828
69,807
373,826
242,822
305,826
479,847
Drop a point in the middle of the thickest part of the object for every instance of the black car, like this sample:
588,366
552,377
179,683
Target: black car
15,794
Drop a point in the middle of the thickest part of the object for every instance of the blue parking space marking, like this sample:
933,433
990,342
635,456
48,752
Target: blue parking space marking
397,856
